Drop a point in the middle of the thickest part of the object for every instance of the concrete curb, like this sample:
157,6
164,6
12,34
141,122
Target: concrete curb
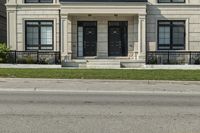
145,67
173,67
24,66
98,86
103,80
100,92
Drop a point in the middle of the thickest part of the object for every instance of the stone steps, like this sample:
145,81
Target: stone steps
104,64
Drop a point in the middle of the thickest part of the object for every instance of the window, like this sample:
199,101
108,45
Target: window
171,35
39,35
38,1
171,1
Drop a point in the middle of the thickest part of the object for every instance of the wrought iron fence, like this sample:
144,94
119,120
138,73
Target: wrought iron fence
173,57
31,57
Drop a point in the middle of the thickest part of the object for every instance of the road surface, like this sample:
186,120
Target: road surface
65,112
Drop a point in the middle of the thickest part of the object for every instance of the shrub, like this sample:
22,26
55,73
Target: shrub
3,52
197,60
30,60
26,60
152,60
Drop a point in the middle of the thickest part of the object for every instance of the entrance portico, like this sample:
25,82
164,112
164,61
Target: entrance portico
103,31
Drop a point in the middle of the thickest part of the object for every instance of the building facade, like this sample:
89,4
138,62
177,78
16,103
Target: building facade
107,33
3,27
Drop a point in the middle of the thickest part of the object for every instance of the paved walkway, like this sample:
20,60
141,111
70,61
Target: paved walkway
79,85
29,66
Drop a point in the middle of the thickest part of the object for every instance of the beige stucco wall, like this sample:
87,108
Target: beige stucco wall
3,21
22,16
102,33
18,13
190,12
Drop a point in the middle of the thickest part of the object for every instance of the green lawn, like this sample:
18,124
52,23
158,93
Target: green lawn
189,75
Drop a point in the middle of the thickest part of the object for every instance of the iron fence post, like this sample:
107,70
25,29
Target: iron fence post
15,57
55,56
37,57
146,57
168,58
60,57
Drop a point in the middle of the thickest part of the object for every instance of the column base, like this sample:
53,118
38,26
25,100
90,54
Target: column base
141,56
65,57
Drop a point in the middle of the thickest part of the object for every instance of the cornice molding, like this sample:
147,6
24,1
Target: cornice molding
175,5
102,3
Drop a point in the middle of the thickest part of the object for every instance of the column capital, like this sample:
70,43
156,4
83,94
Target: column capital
63,16
142,16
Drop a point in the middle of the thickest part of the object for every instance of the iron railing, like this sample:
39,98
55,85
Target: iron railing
31,57
173,57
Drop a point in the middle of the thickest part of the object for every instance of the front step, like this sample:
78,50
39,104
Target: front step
103,64
133,64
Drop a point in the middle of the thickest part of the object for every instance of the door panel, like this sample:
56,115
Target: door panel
124,40
117,38
90,41
87,38
115,41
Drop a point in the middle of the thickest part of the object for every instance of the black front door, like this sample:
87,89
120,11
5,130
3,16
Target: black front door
87,38
117,38
90,40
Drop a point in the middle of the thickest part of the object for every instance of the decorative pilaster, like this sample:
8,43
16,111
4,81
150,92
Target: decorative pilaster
12,25
65,48
69,37
141,36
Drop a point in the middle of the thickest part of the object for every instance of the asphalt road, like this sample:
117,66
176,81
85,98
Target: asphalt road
53,112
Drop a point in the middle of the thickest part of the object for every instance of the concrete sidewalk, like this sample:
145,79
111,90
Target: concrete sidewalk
82,85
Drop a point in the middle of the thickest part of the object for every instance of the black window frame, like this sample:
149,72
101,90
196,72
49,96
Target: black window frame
39,1
39,35
171,1
171,25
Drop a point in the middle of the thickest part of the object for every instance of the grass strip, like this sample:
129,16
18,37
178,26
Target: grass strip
121,74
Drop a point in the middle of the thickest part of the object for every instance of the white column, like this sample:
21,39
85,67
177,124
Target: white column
12,28
64,38
69,37
141,36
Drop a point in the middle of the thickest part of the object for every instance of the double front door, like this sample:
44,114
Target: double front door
117,38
